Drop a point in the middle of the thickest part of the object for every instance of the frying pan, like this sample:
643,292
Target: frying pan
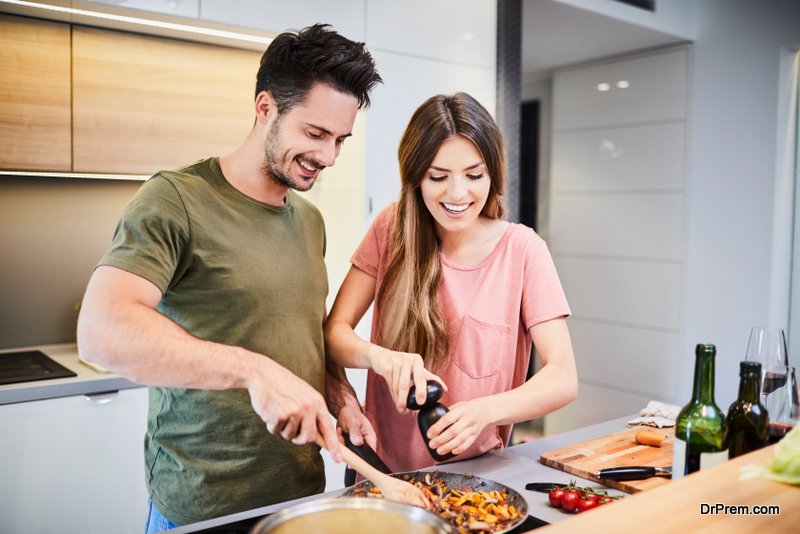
456,480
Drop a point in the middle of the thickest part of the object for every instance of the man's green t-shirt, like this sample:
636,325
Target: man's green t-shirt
240,272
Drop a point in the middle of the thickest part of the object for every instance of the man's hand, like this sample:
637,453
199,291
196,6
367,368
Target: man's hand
292,408
353,421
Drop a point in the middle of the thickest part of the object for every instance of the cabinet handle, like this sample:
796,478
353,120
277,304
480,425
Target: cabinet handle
104,397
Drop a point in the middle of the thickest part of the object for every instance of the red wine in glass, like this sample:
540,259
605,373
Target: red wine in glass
776,431
772,381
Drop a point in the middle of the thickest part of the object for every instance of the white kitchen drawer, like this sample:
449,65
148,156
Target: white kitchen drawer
393,104
633,158
461,31
631,225
656,92
634,359
346,16
631,292
594,405
74,465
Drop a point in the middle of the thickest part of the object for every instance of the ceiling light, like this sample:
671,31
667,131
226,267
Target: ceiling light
623,84
145,22
603,87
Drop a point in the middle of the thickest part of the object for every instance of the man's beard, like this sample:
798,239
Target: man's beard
273,151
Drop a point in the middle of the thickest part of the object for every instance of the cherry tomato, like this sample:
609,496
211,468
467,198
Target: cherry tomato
586,504
570,500
607,500
555,497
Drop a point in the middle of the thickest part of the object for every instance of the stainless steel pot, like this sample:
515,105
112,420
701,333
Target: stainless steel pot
350,515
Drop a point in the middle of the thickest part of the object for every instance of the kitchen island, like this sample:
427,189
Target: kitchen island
673,507
514,466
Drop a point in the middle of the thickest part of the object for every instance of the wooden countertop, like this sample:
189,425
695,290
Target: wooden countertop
676,507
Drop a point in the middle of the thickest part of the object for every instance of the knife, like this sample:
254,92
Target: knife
543,487
633,472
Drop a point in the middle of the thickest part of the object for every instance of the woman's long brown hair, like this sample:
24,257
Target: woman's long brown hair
411,319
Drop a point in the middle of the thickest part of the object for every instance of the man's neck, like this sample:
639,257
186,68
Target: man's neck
243,168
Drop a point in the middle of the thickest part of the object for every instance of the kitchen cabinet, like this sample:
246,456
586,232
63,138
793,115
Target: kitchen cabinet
641,89
35,127
141,103
74,464
617,235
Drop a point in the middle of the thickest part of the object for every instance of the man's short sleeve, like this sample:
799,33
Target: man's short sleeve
153,234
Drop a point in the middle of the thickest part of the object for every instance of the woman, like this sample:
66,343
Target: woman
459,296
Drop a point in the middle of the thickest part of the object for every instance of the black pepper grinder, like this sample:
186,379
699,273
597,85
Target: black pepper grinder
429,413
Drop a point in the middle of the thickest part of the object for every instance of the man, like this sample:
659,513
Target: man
213,293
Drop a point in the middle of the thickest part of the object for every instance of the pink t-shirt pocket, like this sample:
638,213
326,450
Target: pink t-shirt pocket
478,351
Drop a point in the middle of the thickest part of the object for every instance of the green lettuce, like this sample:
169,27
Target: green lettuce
784,466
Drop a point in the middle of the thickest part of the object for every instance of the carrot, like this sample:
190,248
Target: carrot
649,438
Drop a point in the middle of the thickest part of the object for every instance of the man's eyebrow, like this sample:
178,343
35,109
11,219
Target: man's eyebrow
467,169
321,129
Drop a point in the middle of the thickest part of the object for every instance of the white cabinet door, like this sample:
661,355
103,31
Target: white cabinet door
458,31
646,89
74,464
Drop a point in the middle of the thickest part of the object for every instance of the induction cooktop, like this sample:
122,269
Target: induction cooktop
29,366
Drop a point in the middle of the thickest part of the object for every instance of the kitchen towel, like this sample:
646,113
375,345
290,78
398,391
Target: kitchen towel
657,414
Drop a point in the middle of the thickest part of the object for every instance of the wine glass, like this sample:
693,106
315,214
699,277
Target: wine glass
767,346
781,401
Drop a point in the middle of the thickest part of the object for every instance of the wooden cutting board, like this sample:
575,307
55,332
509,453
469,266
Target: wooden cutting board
617,450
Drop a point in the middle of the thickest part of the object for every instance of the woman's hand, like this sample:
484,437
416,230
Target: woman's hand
457,430
400,370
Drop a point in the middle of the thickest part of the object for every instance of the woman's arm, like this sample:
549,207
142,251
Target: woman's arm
554,386
345,347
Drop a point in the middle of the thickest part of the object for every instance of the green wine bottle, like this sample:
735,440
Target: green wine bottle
700,427
747,417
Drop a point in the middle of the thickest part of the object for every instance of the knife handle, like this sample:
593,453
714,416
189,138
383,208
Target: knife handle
627,473
366,453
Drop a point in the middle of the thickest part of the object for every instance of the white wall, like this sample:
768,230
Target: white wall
738,235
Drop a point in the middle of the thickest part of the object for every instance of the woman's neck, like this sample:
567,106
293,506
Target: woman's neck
475,244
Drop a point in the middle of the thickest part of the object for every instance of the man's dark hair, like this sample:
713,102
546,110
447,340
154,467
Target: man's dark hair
294,62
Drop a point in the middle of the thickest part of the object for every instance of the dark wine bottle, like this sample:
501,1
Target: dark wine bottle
747,417
700,426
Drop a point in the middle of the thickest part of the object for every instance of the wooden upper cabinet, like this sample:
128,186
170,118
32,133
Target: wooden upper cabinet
142,104
34,95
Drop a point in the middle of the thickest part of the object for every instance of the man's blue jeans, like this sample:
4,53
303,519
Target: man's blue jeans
155,521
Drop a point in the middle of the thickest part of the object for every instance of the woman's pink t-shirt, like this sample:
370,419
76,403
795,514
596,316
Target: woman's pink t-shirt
489,308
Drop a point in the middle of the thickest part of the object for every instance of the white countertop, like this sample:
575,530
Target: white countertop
88,381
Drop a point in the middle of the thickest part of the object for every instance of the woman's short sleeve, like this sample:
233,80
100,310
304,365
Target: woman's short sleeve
543,297
373,248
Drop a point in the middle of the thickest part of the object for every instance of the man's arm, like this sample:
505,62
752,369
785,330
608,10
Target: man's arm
120,329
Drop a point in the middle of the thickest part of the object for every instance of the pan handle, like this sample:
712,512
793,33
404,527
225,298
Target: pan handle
367,453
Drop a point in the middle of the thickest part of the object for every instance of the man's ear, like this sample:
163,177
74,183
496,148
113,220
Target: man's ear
265,107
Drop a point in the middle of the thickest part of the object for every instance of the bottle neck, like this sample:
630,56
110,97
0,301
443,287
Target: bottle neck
704,379
750,389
